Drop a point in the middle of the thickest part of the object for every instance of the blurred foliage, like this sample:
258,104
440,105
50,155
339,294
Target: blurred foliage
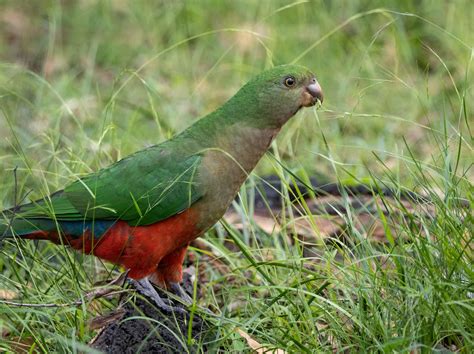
387,74
84,83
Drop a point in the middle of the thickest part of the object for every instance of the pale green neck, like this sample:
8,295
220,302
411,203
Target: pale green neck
230,135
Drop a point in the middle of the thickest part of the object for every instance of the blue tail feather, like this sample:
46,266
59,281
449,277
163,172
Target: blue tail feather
23,227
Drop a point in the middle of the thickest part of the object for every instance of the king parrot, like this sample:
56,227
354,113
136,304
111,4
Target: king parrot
143,211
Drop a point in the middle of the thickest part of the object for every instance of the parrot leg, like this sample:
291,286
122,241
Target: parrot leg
144,286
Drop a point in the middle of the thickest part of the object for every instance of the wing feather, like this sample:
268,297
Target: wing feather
142,189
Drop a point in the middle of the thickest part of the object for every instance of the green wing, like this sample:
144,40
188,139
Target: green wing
142,189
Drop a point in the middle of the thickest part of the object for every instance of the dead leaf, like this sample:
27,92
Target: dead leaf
102,321
16,22
256,345
8,294
21,345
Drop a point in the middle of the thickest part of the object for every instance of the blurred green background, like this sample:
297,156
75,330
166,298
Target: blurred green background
86,82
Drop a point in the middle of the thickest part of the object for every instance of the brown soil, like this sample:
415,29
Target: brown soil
137,326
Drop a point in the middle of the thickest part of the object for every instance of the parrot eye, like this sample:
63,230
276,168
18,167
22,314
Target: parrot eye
289,81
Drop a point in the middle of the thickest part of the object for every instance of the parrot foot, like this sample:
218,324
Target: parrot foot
146,288
179,291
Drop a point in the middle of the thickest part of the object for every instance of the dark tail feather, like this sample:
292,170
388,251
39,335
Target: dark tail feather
31,228
24,227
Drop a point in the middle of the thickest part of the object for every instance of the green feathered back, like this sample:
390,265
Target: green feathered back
142,189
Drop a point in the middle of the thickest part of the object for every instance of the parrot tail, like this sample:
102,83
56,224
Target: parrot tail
49,229
22,227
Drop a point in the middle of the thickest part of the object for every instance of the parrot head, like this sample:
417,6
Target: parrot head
275,95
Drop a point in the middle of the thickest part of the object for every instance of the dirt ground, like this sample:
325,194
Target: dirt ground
138,326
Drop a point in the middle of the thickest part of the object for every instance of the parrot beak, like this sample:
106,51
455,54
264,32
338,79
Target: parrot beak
315,90
312,94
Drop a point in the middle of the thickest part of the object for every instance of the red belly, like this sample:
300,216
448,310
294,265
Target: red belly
138,248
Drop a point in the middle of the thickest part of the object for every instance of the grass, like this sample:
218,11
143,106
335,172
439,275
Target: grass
85,83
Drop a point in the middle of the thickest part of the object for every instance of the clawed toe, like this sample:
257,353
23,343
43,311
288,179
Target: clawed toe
144,286
179,291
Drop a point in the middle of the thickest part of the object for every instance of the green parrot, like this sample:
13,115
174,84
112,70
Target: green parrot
144,210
